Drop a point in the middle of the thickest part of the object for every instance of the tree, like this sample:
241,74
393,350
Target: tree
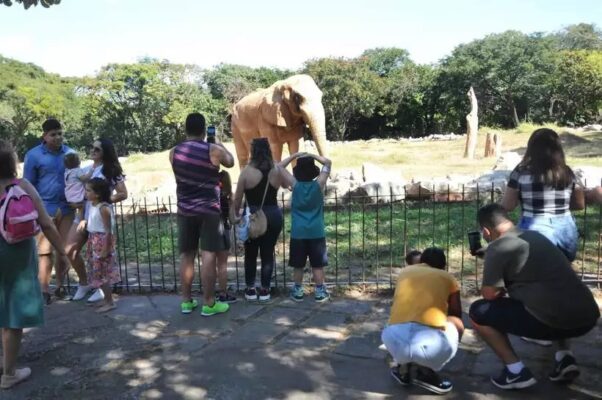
29,3
579,37
351,90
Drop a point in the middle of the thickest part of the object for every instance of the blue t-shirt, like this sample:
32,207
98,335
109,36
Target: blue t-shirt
45,170
307,211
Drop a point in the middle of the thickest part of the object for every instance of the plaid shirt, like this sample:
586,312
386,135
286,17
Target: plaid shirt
538,199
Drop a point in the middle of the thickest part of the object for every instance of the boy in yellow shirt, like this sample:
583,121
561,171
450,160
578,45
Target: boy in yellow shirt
425,325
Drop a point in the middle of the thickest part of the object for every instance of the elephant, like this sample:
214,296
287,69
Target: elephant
279,113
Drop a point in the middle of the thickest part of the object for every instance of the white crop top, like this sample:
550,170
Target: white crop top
94,218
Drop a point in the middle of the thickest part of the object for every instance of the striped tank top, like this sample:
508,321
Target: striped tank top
197,180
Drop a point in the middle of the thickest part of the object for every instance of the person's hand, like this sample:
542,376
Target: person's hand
480,253
81,227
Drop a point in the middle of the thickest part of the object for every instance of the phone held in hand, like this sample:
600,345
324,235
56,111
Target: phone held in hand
211,134
474,241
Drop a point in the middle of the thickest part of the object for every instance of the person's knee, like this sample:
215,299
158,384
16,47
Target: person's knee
478,311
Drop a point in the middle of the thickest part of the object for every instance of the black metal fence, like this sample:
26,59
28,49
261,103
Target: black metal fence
367,238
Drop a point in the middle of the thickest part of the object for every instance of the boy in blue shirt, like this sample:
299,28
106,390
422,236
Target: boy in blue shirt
308,238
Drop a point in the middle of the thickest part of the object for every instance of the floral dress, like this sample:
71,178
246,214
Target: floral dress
101,271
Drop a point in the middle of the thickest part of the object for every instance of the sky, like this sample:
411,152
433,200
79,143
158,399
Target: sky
78,37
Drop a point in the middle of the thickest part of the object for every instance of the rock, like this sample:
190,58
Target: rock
589,176
507,161
377,192
419,191
592,127
374,173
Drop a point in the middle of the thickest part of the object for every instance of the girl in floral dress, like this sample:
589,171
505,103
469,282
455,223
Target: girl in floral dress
100,255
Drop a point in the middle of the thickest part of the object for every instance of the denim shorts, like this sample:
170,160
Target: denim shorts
560,230
429,347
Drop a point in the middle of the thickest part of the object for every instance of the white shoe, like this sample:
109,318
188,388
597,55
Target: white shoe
20,375
82,291
97,296
382,347
545,343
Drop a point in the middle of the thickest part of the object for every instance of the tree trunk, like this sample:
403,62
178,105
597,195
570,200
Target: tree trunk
490,144
497,139
472,124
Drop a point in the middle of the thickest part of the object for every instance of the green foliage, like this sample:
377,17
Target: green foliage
28,3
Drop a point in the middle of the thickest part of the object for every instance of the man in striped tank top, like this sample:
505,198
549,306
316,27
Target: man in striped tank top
196,164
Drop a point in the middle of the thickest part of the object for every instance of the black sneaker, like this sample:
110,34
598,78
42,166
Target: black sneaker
508,380
61,293
565,370
428,379
404,378
47,298
251,294
225,298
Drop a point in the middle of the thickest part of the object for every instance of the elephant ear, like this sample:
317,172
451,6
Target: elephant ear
275,107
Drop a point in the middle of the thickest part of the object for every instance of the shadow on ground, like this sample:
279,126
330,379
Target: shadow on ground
285,350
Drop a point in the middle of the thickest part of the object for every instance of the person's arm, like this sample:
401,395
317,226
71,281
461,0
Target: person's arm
577,198
220,155
492,292
105,213
84,176
48,227
171,155
510,200
594,196
121,192
30,170
240,190
284,163
325,171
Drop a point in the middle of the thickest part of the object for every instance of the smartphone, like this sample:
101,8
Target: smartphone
211,134
474,241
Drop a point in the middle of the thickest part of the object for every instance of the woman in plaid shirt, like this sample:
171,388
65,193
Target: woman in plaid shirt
546,190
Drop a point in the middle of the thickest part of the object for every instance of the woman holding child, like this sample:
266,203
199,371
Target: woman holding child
105,166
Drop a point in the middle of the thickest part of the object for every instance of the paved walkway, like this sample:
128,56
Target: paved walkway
147,350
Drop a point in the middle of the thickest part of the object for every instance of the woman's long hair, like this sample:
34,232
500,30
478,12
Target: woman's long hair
8,163
261,155
111,168
544,159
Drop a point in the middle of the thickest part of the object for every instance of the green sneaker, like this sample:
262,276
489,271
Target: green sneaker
217,308
297,293
188,306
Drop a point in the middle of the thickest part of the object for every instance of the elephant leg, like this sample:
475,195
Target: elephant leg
242,152
276,148
293,147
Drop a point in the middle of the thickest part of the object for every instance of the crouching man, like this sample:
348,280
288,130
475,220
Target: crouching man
546,300
425,325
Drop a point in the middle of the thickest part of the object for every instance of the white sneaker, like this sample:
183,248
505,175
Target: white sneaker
545,343
20,375
97,296
82,291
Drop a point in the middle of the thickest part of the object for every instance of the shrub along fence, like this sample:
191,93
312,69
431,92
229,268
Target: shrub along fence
367,238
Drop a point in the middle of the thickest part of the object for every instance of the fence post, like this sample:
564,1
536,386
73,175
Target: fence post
336,239
148,255
160,239
173,247
136,245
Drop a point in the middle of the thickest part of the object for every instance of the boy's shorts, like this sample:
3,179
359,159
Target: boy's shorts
301,249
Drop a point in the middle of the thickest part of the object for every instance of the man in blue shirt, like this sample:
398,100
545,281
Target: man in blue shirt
44,168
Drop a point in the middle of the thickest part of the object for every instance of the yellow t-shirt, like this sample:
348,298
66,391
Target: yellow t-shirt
421,295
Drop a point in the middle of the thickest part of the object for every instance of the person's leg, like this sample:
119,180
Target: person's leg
108,300
267,244
482,312
189,230
44,263
208,276
64,224
298,276
75,242
222,270
187,274
11,343
251,251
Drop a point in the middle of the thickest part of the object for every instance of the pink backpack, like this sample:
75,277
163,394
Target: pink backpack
18,214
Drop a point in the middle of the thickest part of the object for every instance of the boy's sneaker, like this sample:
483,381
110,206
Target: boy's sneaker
188,306
322,294
264,295
508,380
216,308
20,375
225,297
61,293
297,293
565,370
403,378
428,379
251,294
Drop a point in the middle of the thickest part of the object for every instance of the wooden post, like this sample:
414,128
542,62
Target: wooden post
497,139
489,144
472,125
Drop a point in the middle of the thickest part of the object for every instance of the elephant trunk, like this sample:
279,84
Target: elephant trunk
315,119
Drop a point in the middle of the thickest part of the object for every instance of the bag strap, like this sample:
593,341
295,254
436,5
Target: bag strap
267,183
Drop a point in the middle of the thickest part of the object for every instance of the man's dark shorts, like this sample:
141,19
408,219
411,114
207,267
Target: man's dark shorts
206,227
508,315
301,249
